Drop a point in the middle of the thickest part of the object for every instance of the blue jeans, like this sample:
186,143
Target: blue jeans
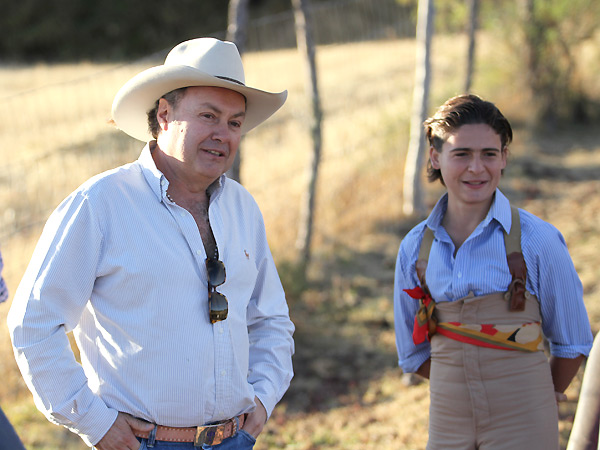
9,440
239,441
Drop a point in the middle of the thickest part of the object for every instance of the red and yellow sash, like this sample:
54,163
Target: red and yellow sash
526,337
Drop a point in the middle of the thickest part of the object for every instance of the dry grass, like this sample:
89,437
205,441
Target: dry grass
347,393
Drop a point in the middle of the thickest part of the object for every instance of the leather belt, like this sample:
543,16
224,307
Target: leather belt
208,434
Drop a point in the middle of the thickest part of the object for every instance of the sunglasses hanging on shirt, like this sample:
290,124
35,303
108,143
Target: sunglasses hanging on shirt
218,306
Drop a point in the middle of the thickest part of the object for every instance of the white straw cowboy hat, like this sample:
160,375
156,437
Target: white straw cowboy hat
198,62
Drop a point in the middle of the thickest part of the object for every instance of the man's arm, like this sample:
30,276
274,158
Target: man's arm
270,330
49,301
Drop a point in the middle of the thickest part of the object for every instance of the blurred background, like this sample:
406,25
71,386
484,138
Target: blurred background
62,62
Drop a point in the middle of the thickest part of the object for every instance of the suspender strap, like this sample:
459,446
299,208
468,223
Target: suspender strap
421,265
512,240
425,323
515,295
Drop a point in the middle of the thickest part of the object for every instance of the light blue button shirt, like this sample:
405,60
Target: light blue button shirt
480,266
125,268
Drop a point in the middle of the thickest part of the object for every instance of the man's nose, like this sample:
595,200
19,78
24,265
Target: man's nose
221,132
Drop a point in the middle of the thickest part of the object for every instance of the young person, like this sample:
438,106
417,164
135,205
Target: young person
478,284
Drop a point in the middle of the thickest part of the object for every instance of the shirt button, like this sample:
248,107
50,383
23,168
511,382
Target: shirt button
221,330
223,373
182,214
459,275
199,252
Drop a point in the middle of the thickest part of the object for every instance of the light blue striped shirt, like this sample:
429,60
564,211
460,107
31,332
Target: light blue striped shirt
480,266
125,268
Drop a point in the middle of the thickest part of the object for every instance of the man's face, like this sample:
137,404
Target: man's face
202,133
471,162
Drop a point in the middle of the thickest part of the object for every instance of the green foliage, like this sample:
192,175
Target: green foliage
547,36
74,29
451,16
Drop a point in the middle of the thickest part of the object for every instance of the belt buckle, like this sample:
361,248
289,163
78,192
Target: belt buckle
209,435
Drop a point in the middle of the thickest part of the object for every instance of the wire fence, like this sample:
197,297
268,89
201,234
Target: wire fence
55,136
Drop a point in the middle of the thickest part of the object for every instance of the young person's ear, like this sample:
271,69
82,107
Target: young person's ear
434,157
504,156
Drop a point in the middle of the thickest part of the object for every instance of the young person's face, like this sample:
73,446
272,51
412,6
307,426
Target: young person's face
471,163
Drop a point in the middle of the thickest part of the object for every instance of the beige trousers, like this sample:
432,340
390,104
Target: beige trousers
489,399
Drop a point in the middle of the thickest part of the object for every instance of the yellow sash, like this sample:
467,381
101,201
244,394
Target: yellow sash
526,337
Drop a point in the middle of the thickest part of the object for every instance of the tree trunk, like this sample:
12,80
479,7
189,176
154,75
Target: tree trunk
543,73
412,191
473,16
237,27
306,47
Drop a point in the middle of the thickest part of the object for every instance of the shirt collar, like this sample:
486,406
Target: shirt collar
499,211
159,183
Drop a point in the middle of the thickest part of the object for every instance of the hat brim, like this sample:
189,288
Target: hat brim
133,101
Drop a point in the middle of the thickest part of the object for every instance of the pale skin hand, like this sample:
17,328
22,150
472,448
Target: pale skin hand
255,422
120,436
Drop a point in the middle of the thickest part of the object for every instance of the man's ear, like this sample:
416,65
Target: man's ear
434,157
162,114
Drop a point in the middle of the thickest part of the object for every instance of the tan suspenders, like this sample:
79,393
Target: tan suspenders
515,294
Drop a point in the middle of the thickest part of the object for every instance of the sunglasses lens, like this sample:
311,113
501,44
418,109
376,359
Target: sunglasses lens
216,272
218,306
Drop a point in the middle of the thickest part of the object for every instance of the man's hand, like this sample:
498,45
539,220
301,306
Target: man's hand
256,420
120,436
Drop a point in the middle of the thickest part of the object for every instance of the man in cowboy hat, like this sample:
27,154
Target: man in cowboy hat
162,269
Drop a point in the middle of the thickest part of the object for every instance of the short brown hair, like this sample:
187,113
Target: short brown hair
173,98
456,112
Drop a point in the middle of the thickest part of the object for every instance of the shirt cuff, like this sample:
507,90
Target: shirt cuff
412,363
268,402
96,422
570,351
